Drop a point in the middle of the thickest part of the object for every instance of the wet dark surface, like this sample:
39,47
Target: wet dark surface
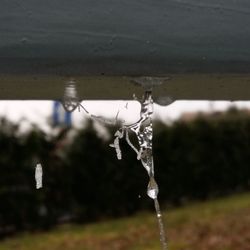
109,37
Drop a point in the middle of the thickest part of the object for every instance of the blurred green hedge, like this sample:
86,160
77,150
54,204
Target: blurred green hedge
83,181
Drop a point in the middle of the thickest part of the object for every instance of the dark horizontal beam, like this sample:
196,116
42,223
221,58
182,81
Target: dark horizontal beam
126,37
174,87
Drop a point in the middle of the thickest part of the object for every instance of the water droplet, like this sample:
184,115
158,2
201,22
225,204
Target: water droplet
164,100
152,189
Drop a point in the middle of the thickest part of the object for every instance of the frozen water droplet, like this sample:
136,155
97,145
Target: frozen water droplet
70,99
39,176
152,189
164,100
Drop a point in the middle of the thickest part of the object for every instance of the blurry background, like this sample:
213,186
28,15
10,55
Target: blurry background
90,200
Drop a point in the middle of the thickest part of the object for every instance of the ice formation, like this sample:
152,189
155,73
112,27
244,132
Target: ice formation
70,98
39,176
143,129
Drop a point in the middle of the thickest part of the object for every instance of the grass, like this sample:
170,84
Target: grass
222,224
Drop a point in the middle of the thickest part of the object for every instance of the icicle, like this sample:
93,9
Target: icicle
116,145
70,98
39,176
143,130
130,143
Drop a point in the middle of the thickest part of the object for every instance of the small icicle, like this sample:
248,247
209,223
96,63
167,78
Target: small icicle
130,143
118,135
39,176
163,239
70,98
116,145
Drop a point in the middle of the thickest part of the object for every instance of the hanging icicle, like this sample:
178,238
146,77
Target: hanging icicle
39,176
70,99
143,129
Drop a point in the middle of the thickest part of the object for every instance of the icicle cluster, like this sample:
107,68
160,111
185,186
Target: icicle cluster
143,130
